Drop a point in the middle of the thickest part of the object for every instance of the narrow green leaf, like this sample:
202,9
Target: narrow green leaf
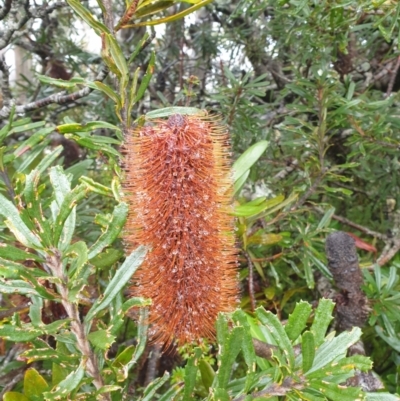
274,326
298,320
56,82
85,14
13,253
174,17
46,162
112,231
240,182
146,79
138,47
91,126
307,350
322,319
109,92
35,311
248,159
326,219
66,208
117,55
132,93
17,226
96,187
169,111
33,140
191,369
121,277
151,389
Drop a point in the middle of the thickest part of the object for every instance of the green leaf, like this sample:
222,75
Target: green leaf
14,396
112,231
118,56
101,339
66,386
49,159
342,366
334,348
138,47
96,187
298,320
34,383
274,326
85,14
151,389
240,182
326,219
227,356
93,125
191,369
121,277
169,111
207,374
381,397
336,392
63,225
146,79
17,226
174,17
307,350
107,258
33,140
35,311
109,92
13,253
322,319
56,82
248,159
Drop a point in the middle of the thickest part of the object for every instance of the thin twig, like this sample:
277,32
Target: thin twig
358,227
57,98
389,252
393,78
251,281
310,190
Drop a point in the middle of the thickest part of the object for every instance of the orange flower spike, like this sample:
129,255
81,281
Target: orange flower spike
178,185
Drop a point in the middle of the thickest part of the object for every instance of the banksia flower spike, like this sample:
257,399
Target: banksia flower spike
178,186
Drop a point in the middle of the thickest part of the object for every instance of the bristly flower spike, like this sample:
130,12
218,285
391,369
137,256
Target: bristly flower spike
179,190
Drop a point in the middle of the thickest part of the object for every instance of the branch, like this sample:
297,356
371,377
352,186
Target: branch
5,82
5,9
393,78
16,25
57,98
358,227
54,263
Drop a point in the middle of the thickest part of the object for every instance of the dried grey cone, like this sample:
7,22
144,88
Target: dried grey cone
351,303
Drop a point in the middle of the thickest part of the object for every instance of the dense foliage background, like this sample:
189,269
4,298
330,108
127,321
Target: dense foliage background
309,91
